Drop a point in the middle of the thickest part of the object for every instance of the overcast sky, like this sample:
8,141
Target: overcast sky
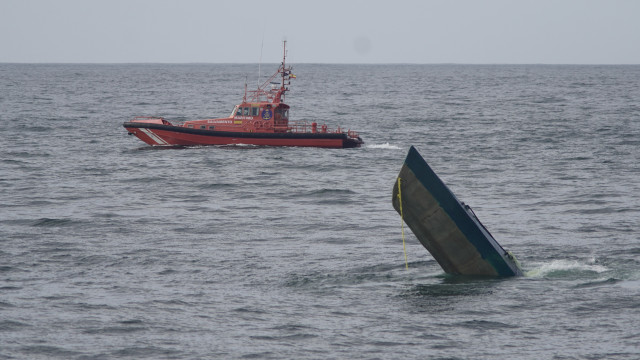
324,31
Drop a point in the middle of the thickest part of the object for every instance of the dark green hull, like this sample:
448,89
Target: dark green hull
446,227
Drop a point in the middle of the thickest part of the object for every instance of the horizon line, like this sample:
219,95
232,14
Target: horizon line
306,63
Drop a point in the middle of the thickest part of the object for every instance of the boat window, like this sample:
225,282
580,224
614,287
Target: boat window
211,127
246,111
203,126
190,126
254,111
285,114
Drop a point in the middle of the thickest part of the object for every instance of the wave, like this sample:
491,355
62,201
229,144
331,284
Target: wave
51,222
326,191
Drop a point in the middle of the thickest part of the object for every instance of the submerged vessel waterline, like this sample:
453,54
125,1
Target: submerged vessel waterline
262,118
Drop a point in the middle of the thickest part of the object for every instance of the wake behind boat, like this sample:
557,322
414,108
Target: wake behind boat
261,119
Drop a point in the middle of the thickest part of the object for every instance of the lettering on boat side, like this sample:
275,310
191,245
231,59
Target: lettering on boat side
219,122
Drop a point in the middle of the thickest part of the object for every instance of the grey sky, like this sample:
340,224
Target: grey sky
326,31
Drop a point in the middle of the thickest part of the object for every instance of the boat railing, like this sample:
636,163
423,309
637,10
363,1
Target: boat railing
151,119
148,118
307,127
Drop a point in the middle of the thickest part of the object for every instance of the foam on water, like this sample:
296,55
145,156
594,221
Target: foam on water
385,146
563,267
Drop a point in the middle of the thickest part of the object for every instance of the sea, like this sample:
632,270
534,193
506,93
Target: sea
112,249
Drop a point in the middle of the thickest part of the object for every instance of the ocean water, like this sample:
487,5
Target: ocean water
113,249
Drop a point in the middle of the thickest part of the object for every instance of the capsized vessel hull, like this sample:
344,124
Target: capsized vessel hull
445,226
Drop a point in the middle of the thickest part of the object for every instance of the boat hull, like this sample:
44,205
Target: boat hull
170,135
446,227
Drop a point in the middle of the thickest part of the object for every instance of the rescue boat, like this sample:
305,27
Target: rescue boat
262,119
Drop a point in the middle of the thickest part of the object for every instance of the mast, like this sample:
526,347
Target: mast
284,56
244,98
274,94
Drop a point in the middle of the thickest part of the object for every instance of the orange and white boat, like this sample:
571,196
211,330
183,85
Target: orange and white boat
261,119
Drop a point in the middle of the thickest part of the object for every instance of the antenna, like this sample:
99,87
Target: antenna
284,57
260,62
244,98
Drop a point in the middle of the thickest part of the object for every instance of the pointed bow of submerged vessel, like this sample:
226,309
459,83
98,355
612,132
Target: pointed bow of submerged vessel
262,118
